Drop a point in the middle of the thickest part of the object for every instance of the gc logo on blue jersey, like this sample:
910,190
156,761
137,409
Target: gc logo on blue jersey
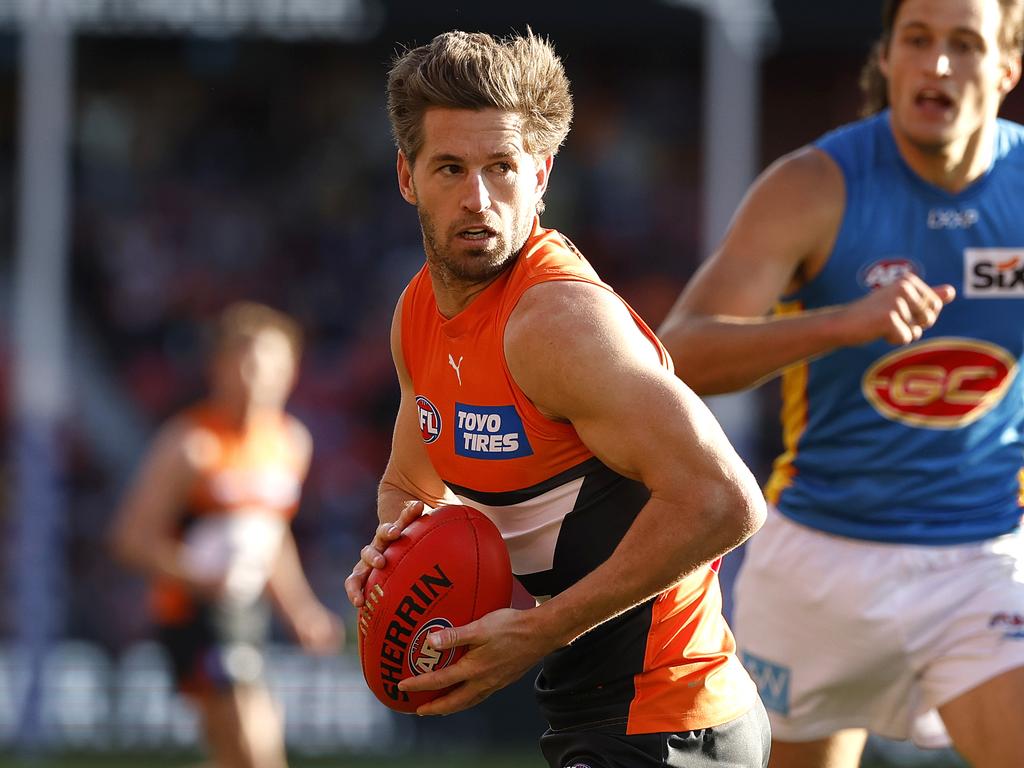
490,432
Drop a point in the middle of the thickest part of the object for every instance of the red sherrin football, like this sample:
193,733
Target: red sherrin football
447,569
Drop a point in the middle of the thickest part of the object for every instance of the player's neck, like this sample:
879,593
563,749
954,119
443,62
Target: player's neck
239,413
953,166
453,296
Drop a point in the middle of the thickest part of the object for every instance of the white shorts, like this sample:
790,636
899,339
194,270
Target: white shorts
841,633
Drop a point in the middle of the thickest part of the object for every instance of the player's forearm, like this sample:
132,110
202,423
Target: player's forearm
288,584
725,354
662,547
395,491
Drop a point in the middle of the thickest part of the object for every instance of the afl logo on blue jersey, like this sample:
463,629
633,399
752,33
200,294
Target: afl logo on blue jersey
429,419
883,272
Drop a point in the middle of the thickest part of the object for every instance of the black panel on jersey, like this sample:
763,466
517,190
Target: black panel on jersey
590,682
605,509
511,498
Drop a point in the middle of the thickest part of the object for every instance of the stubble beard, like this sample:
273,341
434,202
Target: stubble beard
472,266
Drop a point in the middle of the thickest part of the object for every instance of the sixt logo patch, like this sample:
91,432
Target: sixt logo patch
772,682
940,384
423,657
429,419
887,271
490,432
994,273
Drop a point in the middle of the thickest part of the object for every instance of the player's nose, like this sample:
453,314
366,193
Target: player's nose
475,197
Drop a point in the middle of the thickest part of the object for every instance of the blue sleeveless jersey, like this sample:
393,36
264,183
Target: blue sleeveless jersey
919,443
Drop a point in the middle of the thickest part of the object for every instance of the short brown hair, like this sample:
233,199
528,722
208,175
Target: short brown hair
464,70
872,82
245,319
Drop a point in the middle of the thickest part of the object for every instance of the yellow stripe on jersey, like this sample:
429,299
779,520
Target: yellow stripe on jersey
793,416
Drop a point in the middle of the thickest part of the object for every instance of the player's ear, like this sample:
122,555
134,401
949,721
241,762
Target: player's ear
544,165
405,185
881,56
1011,73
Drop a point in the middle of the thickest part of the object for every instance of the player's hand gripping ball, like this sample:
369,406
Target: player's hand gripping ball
447,569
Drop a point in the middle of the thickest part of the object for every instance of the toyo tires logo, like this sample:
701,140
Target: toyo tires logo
940,384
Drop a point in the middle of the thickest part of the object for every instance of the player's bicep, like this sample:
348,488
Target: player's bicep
578,354
409,466
301,446
654,429
155,497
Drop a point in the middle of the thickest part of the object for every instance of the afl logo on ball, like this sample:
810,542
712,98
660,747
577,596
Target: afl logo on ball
940,384
423,658
429,419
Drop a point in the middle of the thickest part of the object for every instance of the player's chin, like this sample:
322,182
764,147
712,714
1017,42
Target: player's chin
932,136
477,267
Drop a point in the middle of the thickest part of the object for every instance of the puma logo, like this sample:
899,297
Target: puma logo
452,363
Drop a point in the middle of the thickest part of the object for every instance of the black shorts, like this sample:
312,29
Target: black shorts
220,647
741,743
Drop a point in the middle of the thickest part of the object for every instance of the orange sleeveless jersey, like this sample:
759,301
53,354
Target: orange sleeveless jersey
666,665
254,469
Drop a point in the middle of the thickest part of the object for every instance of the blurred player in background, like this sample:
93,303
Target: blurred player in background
533,393
208,519
890,584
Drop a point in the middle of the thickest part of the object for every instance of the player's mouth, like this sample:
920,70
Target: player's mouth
934,101
476,234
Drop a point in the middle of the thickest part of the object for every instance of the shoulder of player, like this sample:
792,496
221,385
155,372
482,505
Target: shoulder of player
793,210
572,347
807,176
561,319
1012,137
184,445
298,433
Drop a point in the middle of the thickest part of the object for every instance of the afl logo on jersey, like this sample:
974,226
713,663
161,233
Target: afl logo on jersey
886,271
429,419
940,384
422,657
